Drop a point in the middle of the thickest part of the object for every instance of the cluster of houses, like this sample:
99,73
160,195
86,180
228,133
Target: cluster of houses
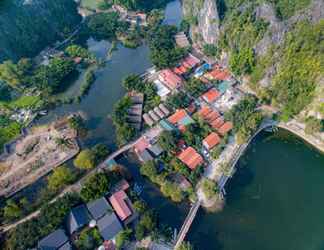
156,114
110,216
133,17
134,113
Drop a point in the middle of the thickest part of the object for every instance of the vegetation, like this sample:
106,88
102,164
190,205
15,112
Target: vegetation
122,238
295,82
313,125
76,122
141,4
185,246
209,188
106,25
164,52
60,177
287,8
245,118
85,159
172,190
8,130
27,234
78,51
195,87
124,130
179,100
210,50
89,239
146,225
95,187
168,141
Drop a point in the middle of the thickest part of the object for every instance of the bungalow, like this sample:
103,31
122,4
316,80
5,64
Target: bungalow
191,158
148,120
159,112
211,141
99,208
55,241
77,218
109,226
182,40
225,128
211,96
164,109
180,118
162,90
170,79
121,204
156,150
218,74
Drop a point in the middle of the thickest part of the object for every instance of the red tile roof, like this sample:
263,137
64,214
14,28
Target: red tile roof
211,140
191,158
217,123
218,74
170,79
119,204
211,95
141,145
204,111
225,128
177,116
212,116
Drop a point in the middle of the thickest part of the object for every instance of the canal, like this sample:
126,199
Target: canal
274,201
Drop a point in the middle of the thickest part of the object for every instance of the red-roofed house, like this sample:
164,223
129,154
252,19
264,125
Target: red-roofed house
191,158
212,116
211,141
225,128
141,145
121,204
204,111
211,95
218,74
217,123
170,79
180,118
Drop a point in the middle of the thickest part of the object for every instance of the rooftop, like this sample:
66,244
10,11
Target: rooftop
180,118
191,158
109,226
211,95
170,79
55,240
211,140
225,128
98,208
118,201
77,218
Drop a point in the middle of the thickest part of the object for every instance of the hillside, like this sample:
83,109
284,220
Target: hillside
275,46
27,26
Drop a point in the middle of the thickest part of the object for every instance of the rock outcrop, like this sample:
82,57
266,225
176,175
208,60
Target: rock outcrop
205,13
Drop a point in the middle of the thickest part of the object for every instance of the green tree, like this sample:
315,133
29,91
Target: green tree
78,51
123,237
60,177
95,187
140,206
10,74
185,246
313,125
85,159
168,141
89,239
11,210
149,169
209,188
243,61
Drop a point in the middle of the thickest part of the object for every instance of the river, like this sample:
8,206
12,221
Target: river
273,202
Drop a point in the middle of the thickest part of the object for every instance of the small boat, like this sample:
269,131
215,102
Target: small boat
43,112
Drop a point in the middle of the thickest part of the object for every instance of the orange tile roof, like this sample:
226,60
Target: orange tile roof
117,201
225,128
177,116
211,95
217,123
218,74
211,140
191,158
170,79
204,111
212,116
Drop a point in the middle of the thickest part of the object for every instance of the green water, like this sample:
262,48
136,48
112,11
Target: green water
274,202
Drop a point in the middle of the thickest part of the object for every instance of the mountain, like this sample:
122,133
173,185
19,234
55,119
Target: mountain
27,26
275,46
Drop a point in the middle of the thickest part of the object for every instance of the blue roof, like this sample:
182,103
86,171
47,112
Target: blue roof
111,163
98,208
54,240
203,68
78,217
109,226
167,125
186,121
223,86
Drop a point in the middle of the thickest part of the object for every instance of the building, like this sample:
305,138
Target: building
109,226
77,218
216,124
156,150
148,120
159,112
191,158
218,73
164,109
187,64
211,96
99,208
211,141
180,118
121,204
55,241
170,79
162,90
225,128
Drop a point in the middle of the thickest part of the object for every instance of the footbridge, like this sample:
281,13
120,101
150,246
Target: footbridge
187,223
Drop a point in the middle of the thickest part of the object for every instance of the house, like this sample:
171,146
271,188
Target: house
170,79
148,120
211,141
166,125
225,128
202,69
77,218
99,208
191,158
159,112
156,150
109,226
164,109
180,118
121,204
218,73
211,95
55,241
154,116
217,123
145,156
162,90
186,65
141,144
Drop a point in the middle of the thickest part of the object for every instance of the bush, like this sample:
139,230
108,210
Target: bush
85,159
95,187
60,177
209,188
313,125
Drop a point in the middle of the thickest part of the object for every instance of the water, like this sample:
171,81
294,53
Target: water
173,13
274,201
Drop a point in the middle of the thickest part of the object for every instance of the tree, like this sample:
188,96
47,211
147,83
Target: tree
11,210
195,87
179,100
313,125
171,190
89,239
85,159
77,122
210,50
133,82
243,61
140,206
209,188
95,187
10,74
123,237
185,246
100,152
167,141
63,143
60,177
149,169
78,51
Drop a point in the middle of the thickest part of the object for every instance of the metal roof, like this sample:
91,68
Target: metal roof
99,208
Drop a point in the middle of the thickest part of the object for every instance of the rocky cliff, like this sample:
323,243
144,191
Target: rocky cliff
205,19
27,26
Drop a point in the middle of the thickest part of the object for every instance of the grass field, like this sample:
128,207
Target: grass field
25,102
90,4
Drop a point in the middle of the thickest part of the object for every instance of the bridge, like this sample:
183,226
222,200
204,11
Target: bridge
187,223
